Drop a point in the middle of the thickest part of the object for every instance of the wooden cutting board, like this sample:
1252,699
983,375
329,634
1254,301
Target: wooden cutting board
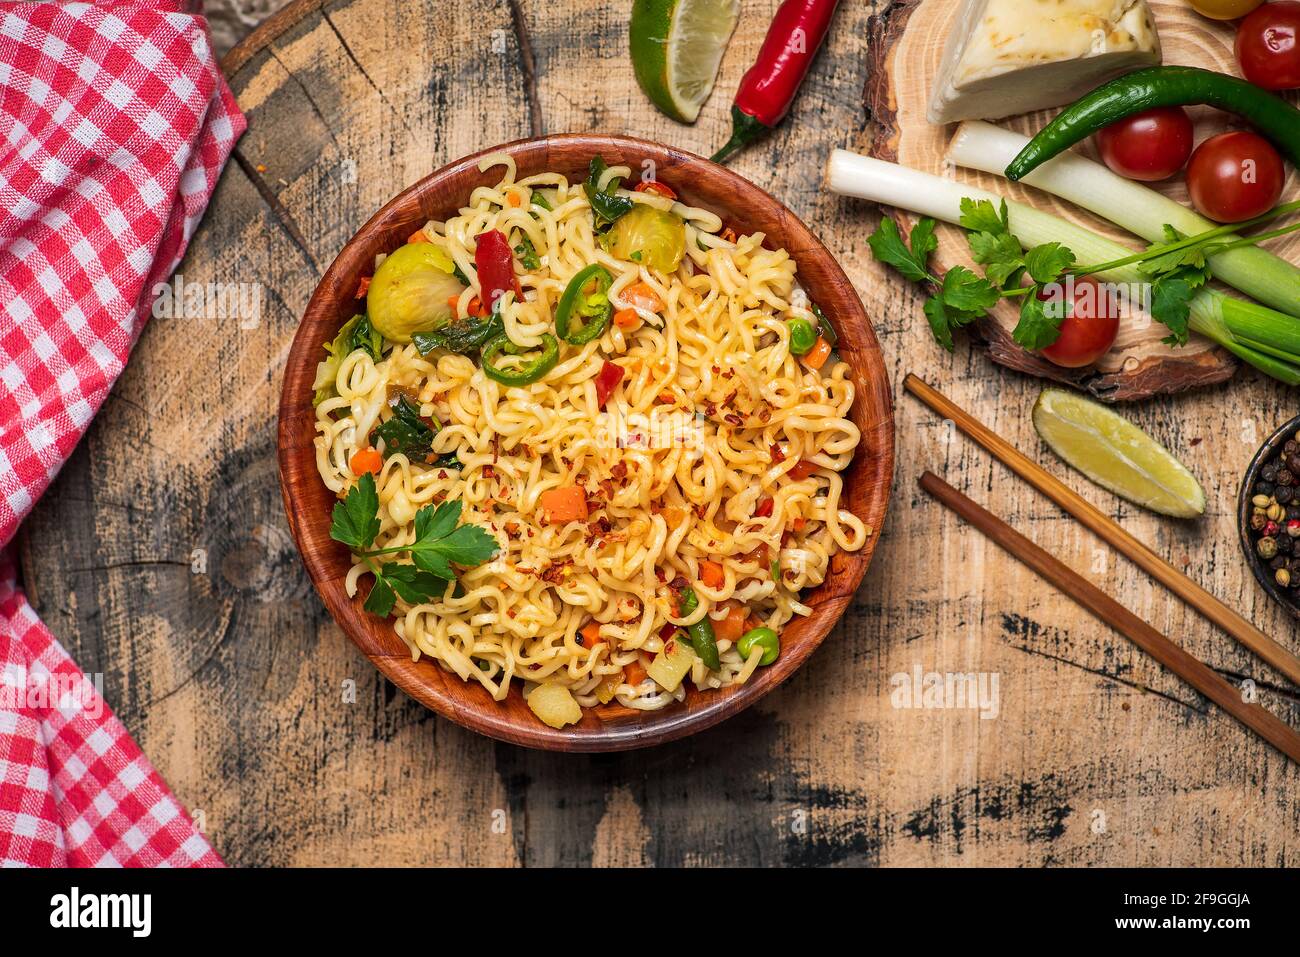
907,42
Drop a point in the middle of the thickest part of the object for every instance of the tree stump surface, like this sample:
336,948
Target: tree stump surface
161,556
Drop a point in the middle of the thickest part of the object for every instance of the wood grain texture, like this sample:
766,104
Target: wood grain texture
907,50
235,680
308,503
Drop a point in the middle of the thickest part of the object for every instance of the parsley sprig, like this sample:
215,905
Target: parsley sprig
440,542
1176,268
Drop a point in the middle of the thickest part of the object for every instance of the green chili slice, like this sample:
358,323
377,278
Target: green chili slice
532,370
594,307
701,633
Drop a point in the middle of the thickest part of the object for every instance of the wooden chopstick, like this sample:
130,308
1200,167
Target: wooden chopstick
1198,675
1246,634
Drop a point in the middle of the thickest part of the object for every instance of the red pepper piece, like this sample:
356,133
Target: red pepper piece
495,263
768,89
607,379
654,186
764,509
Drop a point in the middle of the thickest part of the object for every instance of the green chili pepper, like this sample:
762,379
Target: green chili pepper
824,324
802,336
530,371
1161,86
539,199
700,633
594,307
764,638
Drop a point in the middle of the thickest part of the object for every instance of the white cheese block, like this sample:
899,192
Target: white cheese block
1005,57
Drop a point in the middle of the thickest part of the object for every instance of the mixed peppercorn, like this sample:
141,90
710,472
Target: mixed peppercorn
1275,515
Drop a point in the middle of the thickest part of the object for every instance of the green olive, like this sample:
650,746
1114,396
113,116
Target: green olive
802,336
650,236
410,290
764,638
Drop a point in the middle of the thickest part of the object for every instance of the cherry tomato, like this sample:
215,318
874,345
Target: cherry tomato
1268,46
1148,146
1089,331
1225,9
1235,176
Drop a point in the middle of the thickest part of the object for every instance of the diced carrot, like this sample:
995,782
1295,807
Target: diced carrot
802,469
673,516
626,318
366,460
816,356
452,303
643,296
654,186
799,523
476,307
733,626
514,199
712,575
417,237
567,504
634,673
363,287
590,634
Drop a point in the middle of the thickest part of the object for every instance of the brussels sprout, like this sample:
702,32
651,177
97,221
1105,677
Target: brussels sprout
653,237
410,290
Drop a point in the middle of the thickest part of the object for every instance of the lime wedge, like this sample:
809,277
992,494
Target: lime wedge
676,47
1116,454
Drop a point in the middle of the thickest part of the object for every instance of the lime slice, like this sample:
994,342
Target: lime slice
1116,454
676,48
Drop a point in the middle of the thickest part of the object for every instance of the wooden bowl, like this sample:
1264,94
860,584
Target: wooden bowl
1284,597
308,502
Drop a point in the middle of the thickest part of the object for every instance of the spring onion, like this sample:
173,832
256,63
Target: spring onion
1239,326
1136,208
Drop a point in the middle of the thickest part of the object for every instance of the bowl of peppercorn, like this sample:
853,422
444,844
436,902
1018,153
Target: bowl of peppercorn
1268,514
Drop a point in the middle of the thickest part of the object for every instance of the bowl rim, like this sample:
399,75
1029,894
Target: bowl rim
1268,448
442,691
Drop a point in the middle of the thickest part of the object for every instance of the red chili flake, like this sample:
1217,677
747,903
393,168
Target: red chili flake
489,472
764,509
618,470
363,287
777,453
735,420
442,473
731,397
710,409
510,613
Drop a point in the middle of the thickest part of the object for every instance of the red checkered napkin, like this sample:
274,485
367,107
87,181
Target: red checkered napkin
115,122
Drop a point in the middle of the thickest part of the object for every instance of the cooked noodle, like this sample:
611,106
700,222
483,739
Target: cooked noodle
712,413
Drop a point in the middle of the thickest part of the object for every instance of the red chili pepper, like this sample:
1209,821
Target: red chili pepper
495,263
607,379
768,89
764,509
654,186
